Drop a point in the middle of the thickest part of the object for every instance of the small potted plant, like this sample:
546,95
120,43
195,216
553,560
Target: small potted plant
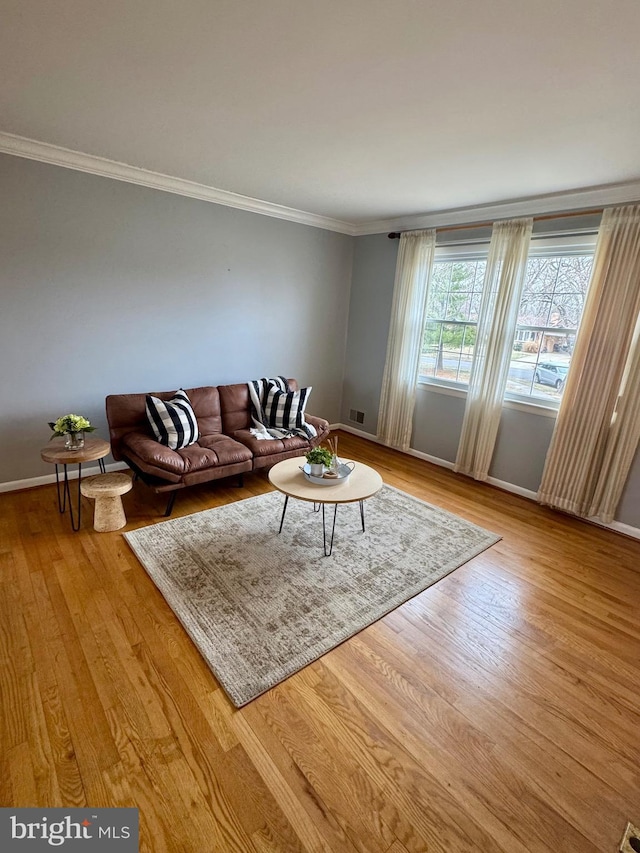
319,458
73,428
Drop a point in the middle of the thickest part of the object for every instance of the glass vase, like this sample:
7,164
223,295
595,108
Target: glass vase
74,441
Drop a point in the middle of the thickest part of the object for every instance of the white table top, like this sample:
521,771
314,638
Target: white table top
362,483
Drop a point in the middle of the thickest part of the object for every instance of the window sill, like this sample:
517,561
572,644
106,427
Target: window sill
532,408
442,389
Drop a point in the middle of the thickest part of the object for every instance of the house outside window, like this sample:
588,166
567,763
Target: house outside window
554,293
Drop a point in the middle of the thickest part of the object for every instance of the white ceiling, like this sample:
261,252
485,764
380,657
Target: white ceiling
357,110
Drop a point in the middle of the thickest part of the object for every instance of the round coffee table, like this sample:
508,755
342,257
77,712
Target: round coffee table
361,484
95,449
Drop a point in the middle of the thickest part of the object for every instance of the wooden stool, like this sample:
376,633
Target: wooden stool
107,489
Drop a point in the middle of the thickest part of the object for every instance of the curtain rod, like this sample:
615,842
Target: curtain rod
394,235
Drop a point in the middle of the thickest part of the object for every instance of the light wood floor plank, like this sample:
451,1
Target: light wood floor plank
293,806
23,781
463,757
331,776
415,805
529,751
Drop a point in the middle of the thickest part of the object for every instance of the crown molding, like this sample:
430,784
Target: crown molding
575,200
565,202
44,152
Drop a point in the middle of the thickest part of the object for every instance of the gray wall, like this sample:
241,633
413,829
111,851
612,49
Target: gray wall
374,265
523,437
629,506
107,287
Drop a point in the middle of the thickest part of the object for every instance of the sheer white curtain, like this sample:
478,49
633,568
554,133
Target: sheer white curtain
406,329
623,440
502,289
598,424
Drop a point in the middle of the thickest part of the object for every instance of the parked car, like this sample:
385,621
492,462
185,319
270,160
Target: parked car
548,373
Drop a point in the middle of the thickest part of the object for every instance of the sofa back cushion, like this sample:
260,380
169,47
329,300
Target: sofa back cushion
127,413
235,406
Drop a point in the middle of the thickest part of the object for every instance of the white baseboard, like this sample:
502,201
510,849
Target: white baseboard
511,487
435,460
620,527
30,482
617,526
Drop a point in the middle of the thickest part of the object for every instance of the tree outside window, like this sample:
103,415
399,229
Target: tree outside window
551,306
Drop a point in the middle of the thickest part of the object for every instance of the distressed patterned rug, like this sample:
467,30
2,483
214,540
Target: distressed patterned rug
260,606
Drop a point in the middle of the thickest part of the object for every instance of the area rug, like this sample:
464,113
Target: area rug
261,605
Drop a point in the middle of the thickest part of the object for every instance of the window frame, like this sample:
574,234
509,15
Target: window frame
560,245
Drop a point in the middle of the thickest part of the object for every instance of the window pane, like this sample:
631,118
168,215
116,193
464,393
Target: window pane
550,310
452,309
447,351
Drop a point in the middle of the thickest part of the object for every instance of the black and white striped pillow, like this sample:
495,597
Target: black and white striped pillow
173,421
259,391
285,410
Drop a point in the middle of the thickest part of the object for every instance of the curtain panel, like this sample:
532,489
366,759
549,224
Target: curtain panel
406,330
502,289
598,425
623,440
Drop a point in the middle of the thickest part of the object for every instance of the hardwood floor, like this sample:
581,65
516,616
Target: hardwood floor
495,712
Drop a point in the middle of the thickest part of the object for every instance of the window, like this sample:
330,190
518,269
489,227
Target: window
553,297
557,277
452,316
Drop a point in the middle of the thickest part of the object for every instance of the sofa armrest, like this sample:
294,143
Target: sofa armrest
321,426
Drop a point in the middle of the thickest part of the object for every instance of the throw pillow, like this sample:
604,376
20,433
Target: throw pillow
285,409
173,421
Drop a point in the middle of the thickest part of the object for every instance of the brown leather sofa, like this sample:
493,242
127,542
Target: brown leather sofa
225,447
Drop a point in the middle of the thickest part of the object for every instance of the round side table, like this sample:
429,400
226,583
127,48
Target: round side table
95,449
107,489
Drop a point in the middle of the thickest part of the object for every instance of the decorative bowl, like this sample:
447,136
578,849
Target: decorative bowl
342,475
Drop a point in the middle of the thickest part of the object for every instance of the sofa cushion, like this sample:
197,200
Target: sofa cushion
272,447
227,451
173,421
235,405
209,452
151,457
